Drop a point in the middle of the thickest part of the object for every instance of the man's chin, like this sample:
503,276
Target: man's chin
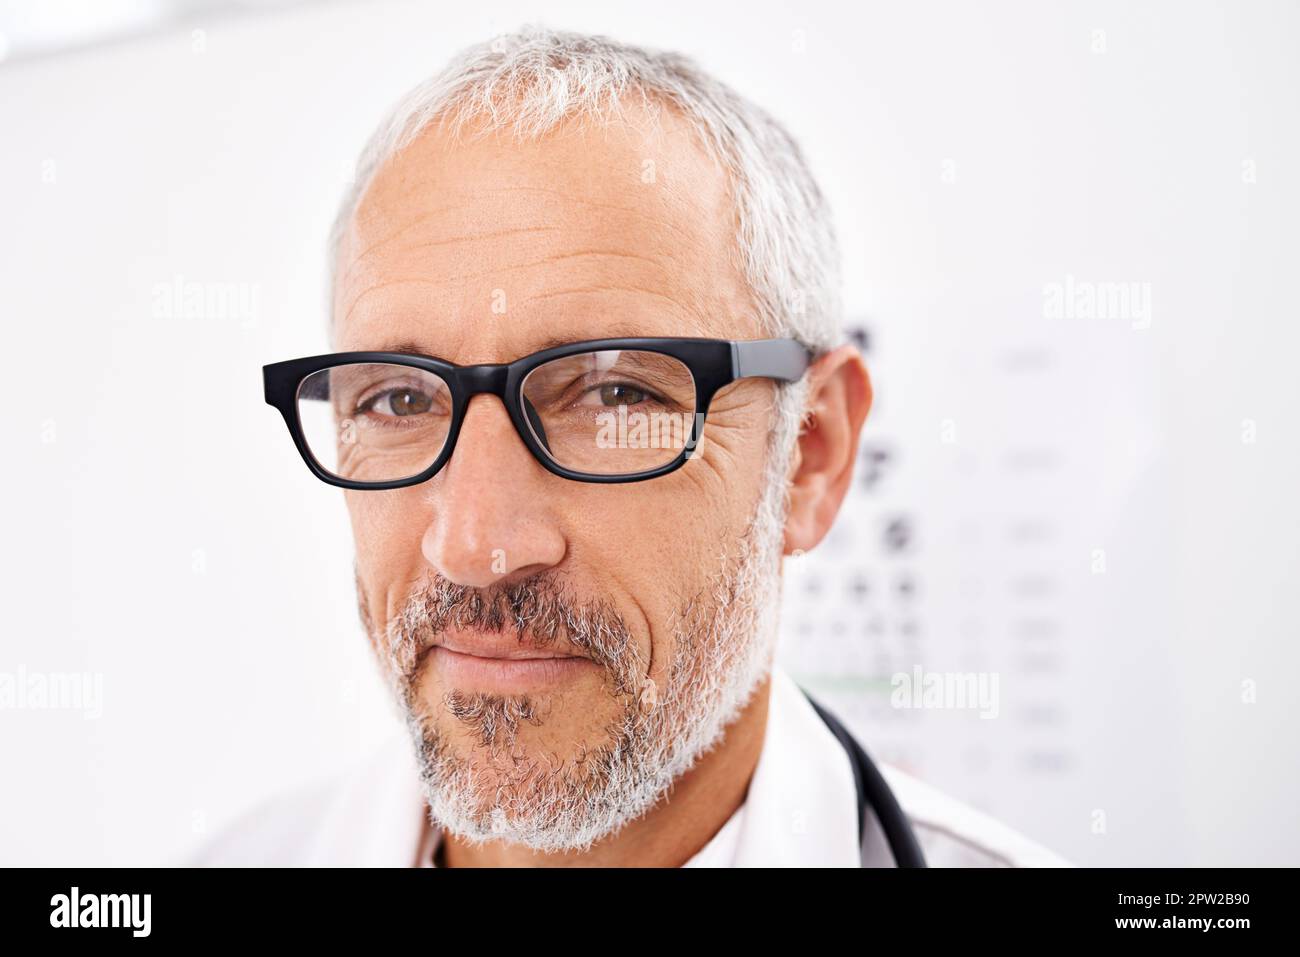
551,722
509,755
519,742
528,795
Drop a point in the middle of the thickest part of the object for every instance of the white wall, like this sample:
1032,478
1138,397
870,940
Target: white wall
164,538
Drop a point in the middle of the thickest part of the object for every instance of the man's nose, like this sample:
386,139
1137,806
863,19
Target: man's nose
492,519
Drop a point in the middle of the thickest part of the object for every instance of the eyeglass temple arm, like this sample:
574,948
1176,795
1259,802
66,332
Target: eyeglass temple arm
783,359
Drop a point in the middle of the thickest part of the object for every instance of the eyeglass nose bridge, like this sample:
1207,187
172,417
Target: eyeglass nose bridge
494,379
480,379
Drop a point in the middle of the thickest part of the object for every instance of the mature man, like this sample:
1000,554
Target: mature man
589,389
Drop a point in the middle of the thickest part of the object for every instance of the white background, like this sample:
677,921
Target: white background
162,534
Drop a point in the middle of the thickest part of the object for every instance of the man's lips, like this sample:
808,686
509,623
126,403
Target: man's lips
500,663
498,647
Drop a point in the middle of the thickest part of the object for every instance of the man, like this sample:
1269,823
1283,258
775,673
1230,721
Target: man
569,550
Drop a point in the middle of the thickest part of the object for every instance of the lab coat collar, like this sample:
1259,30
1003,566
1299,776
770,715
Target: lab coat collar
802,809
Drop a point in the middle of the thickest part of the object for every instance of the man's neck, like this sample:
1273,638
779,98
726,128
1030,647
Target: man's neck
674,830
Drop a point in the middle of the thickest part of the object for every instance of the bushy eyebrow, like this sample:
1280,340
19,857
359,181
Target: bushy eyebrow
612,331
405,346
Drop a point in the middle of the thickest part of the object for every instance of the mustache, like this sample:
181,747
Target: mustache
538,610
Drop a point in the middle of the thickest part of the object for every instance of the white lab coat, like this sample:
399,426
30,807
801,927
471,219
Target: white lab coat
800,811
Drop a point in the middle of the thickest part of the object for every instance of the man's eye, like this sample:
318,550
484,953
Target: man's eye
619,393
399,402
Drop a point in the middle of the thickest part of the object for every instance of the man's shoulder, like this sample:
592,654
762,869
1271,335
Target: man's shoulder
813,764
954,834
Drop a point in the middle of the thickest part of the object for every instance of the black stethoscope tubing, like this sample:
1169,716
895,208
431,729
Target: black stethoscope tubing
874,793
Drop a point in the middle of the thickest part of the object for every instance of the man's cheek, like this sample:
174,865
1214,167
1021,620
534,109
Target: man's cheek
385,521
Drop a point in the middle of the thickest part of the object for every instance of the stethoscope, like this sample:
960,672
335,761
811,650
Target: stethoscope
874,793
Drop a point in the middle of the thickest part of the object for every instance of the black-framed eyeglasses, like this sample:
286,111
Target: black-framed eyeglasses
603,410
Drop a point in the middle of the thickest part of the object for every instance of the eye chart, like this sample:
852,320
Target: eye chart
961,614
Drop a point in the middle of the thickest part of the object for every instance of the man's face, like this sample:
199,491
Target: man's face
633,603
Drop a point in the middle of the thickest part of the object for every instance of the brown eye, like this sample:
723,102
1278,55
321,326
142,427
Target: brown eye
400,402
620,394
407,402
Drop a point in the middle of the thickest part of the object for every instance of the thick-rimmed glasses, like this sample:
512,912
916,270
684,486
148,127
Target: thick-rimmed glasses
604,410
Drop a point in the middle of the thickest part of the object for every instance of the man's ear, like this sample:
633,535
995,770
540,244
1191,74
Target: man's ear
839,398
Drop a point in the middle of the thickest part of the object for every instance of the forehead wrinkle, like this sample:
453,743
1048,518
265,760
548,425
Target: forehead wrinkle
599,288
597,204
365,218
596,287
356,261
690,235
496,270
698,326
689,215
384,285
682,233
661,261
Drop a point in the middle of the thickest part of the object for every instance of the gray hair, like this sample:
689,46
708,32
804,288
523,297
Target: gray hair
533,80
